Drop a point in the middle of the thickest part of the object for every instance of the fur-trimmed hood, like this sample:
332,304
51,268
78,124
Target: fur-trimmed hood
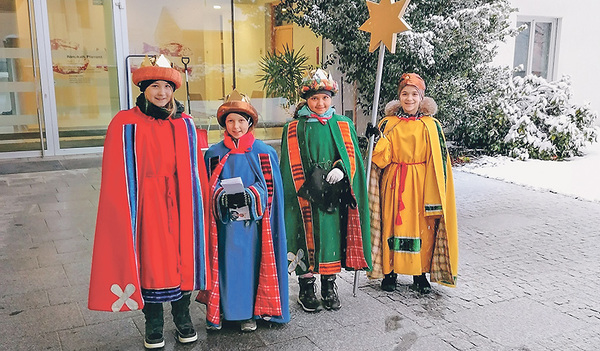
428,107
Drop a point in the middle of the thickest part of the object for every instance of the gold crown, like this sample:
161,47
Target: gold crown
237,96
157,69
236,102
161,61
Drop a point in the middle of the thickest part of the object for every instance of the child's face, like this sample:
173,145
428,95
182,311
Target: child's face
159,93
410,99
319,103
236,125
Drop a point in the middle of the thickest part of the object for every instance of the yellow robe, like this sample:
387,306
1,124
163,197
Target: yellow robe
416,196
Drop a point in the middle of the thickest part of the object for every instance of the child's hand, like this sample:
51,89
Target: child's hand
334,176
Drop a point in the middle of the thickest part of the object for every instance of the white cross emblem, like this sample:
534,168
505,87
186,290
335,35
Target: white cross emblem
124,297
296,260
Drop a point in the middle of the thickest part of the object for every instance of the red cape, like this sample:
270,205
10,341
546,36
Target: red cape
115,275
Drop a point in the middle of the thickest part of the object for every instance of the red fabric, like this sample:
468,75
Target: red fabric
211,297
202,138
243,145
321,120
267,295
401,172
118,261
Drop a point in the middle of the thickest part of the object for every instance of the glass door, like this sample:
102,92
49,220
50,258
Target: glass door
84,70
19,83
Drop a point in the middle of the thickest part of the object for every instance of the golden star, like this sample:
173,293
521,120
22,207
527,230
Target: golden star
385,23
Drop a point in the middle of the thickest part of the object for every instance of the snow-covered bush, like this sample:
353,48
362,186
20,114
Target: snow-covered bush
544,123
450,45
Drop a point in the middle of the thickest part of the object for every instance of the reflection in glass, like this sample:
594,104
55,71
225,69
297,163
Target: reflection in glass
541,50
522,50
225,41
19,122
84,70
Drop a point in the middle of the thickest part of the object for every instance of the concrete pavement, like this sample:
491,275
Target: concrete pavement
528,277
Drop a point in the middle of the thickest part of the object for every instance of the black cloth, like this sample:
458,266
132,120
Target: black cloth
152,110
236,200
372,131
324,195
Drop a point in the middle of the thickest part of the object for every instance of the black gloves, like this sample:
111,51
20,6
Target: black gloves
236,200
372,130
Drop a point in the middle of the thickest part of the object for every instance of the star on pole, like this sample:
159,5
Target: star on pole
385,22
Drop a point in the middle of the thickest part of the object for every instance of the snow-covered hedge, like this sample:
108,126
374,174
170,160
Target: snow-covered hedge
544,123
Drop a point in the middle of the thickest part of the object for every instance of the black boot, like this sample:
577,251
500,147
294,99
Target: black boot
420,284
180,310
154,326
389,282
329,293
306,297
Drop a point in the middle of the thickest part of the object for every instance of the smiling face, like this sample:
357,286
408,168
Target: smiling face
160,93
410,99
319,103
236,125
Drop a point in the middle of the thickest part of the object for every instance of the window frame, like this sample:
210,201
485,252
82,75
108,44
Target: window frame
555,29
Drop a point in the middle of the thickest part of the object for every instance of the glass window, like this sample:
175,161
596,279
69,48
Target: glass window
84,70
19,87
536,47
224,41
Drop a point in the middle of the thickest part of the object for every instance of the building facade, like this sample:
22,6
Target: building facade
560,38
65,65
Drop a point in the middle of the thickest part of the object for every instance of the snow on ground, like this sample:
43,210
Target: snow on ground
577,176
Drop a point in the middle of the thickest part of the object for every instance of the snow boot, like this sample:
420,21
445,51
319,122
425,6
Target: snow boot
389,282
154,326
331,300
307,297
180,310
420,284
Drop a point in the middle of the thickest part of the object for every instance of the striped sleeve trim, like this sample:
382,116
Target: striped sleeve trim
255,202
433,209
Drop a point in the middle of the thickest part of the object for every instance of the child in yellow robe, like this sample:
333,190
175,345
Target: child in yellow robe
411,194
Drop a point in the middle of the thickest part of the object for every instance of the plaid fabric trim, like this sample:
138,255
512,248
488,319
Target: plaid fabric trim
376,234
355,257
212,297
330,268
268,301
441,272
349,145
298,177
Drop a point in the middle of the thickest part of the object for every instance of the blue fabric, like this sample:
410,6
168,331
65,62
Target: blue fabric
131,176
239,241
163,295
306,112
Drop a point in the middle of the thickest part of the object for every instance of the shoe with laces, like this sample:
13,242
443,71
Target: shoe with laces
331,301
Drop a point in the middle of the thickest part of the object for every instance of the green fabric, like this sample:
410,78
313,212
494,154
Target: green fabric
325,147
404,244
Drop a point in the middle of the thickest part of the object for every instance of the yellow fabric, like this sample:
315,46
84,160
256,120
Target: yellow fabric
414,144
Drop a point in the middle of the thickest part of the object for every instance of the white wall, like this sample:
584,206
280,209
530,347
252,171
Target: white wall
579,43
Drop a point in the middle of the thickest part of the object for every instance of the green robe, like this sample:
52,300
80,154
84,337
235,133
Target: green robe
327,249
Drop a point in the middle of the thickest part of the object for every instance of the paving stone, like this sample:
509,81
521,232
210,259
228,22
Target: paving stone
526,280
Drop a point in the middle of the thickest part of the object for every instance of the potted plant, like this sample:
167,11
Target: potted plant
283,74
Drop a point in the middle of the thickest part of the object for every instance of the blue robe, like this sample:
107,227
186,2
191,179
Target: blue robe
239,241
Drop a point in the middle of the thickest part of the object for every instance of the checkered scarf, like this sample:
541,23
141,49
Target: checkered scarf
375,210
